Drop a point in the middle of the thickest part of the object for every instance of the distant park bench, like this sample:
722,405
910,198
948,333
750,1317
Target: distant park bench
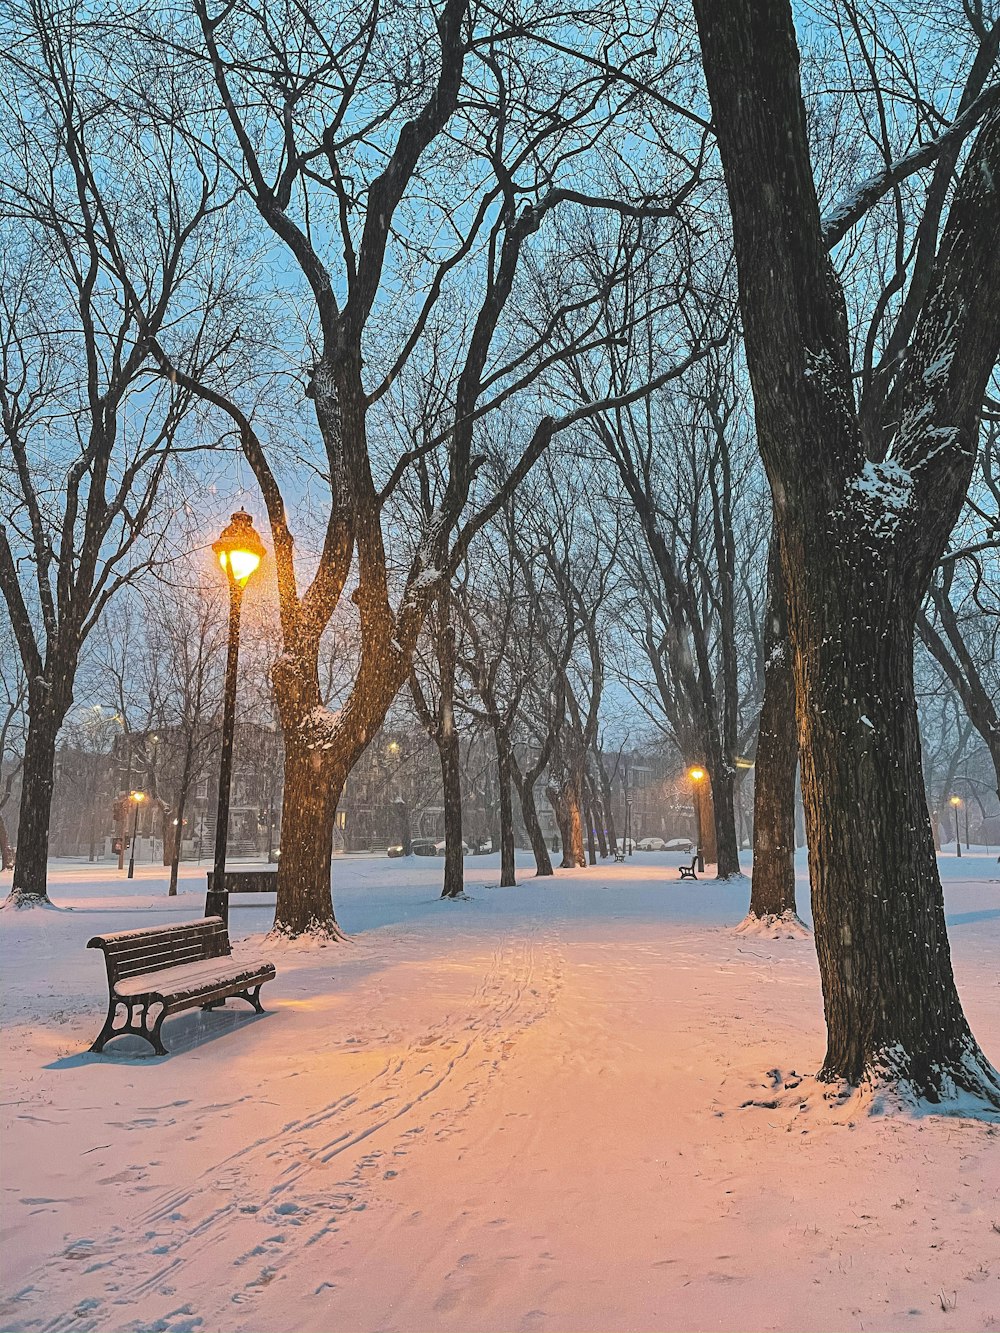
237,881
687,872
169,968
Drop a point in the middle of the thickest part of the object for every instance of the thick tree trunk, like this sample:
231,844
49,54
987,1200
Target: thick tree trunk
772,892
309,806
506,807
565,801
889,992
29,886
859,541
454,866
533,827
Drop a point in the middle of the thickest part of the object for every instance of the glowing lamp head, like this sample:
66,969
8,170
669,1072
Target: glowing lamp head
955,800
239,548
696,774
137,796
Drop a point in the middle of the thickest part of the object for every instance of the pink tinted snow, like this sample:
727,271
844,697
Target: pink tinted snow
571,1105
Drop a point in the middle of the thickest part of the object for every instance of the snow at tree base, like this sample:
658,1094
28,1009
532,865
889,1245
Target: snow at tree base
578,1104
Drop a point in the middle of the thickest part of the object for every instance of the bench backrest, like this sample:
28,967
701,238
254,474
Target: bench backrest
130,953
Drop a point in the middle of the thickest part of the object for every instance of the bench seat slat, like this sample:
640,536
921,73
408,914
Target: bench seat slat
191,978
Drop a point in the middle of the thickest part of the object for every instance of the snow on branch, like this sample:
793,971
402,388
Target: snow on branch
839,221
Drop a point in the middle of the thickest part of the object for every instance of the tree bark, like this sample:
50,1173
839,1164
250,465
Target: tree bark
859,540
37,776
529,813
313,784
588,810
607,800
508,876
6,850
772,892
454,866
565,801
598,819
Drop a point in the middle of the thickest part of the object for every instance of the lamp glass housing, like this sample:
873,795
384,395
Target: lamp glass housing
241,563
239,548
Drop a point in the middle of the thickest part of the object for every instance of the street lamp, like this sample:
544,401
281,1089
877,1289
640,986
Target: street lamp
240,551
697,775
137,798
955,802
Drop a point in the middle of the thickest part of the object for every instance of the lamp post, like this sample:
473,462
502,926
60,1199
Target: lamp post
240,551
137,798
697,775
955,802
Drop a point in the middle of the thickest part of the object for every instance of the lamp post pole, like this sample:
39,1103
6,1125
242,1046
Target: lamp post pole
239,550
955,803
137,799
696,774
228,731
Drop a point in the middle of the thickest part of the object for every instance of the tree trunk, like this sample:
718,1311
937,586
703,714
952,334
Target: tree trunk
607,799
708,839
565,801
859,541
532,825
588,810
309,806
508,876
772,892
454,866
877,900
598,819
29,886
6,850
723,819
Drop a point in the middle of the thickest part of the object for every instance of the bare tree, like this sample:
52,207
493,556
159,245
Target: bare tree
865,497
86,284
339,153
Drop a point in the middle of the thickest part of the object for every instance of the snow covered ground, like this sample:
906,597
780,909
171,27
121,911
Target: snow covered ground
531,1110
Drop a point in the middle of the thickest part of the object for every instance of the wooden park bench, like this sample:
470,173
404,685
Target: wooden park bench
687,872
160,970
237,881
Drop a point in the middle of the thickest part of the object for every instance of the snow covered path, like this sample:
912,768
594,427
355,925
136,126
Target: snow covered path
527,1111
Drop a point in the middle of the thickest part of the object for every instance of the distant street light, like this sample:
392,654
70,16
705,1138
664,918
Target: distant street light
697,775
955,802
137,798
240,551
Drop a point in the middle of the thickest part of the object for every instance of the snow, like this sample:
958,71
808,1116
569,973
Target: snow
580,1104
884,491
320,727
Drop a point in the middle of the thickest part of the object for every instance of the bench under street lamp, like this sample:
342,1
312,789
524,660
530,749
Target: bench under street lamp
240,551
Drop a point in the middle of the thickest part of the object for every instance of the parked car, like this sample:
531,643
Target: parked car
439,848
418,847
679,845
650,845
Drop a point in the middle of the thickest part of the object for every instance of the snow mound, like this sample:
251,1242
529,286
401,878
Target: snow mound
787,926
806,1097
